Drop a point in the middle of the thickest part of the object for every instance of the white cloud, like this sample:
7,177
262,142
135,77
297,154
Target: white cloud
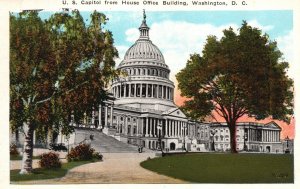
256,24
178,39
286,46
132,35
122,50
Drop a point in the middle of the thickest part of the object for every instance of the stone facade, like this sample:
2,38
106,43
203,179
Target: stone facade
252,137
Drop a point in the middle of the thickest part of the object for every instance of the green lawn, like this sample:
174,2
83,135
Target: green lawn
225,168
42,173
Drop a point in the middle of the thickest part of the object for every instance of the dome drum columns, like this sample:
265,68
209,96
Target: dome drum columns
143,90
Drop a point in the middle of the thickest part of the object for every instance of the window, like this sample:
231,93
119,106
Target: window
128,119
129,128
121,118
221,138
114,117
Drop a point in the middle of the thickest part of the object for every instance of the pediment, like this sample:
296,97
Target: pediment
174,112
272,124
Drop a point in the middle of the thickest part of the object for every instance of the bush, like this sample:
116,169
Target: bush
83,152
50,160
13,150
98,156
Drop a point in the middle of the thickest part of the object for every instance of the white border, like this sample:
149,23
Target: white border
54,5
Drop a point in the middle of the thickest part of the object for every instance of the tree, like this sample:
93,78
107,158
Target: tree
58,67
240,74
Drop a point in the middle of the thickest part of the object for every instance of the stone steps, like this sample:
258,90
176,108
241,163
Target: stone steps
104,143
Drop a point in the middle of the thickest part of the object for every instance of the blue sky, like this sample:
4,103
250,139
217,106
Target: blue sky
122,21
181,33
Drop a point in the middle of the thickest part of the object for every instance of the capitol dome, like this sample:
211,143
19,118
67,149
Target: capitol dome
147,84
144,49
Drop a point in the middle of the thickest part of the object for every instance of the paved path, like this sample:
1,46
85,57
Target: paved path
116,168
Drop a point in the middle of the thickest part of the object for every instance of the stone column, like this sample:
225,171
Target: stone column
154,127
105,125
173,128
147,129
180,133
111,115
141,89
129,92
93,118
152,91
137,126
151,127
147,90
176,128
169,127
125,130
166,128
99,116
118,126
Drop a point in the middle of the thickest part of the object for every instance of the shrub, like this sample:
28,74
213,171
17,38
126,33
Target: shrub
83,152
98,156
50,160
13,149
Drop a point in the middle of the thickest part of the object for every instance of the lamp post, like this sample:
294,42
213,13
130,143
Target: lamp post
213,132
287,150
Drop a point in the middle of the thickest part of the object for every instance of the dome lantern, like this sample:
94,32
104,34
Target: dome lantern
144,29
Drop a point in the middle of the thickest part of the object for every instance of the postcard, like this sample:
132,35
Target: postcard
181,93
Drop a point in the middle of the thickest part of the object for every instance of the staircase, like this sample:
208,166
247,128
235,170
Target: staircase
103,143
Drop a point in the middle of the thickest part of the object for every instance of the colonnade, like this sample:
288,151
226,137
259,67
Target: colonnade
270,136
107,107
264,135
171,128
143,90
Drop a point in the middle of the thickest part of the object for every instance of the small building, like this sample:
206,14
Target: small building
250,137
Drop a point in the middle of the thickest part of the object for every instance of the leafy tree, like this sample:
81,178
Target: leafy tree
58,67
240,74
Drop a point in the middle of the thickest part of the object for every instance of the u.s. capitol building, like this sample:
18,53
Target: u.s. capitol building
143,110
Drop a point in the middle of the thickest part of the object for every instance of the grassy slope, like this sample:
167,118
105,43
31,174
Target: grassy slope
225,168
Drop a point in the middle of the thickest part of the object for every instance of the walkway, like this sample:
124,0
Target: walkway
116,168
